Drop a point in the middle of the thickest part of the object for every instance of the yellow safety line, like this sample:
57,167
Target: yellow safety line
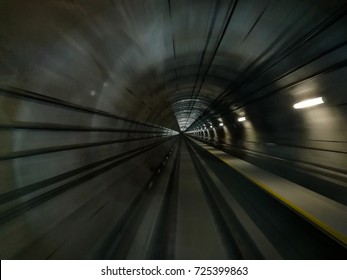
338,235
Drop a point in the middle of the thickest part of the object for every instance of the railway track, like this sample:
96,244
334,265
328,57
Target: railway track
197,207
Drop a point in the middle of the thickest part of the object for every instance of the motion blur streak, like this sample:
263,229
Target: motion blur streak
165,129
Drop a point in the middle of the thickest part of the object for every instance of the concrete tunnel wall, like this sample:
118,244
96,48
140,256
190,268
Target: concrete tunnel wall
83,81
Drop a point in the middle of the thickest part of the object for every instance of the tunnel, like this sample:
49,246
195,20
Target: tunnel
173,129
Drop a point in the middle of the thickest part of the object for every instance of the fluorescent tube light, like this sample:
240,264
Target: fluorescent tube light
308,103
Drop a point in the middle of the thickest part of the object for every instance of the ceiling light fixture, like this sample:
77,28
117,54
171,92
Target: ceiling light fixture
308,103
241,119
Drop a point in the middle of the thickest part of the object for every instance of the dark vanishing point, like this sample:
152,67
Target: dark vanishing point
173,129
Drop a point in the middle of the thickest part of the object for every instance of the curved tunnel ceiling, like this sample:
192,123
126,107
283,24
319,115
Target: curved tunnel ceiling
171,63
